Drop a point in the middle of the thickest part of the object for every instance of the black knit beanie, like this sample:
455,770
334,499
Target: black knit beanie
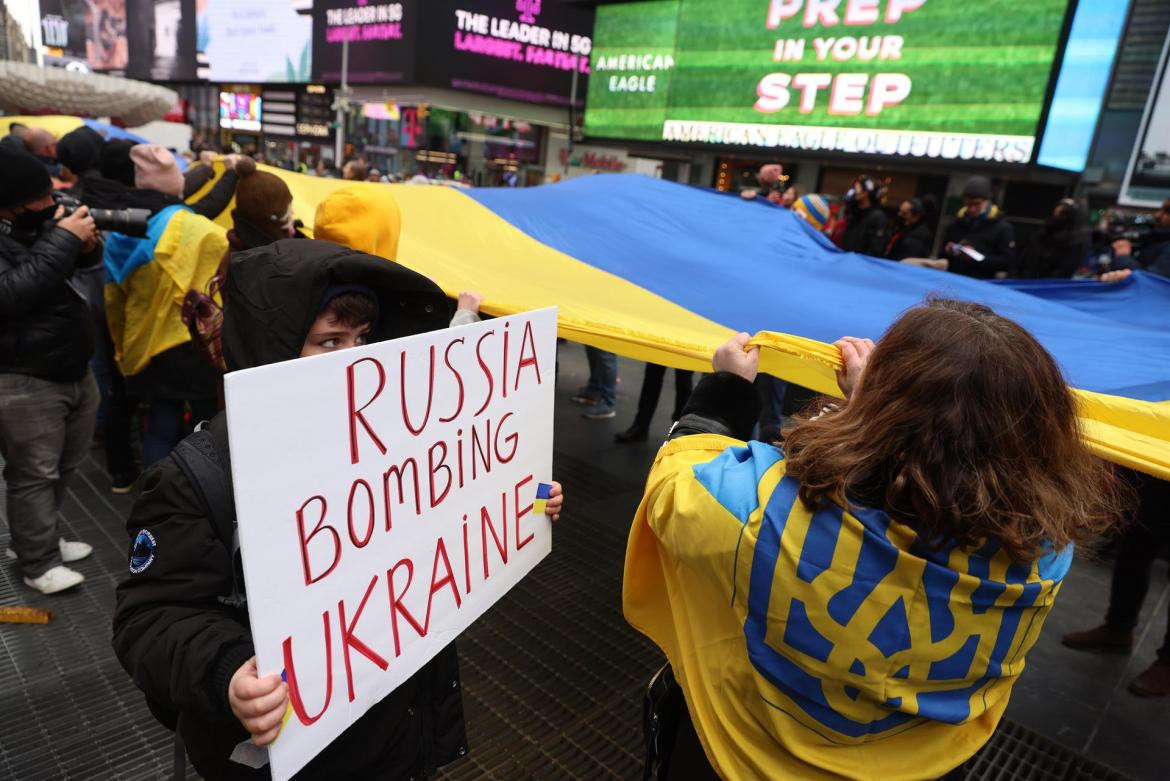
116,163
23,178
80,150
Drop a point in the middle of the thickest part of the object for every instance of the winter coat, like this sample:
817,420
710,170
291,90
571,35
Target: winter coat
172,631
1052,254
46,329
865,232
990,234
912,242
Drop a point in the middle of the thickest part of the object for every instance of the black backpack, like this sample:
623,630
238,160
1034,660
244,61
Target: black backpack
207,466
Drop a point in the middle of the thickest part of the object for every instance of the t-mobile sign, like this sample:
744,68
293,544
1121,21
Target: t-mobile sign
518,49
380,36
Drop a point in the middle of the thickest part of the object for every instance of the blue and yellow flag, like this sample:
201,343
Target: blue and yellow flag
827,644
663,272
150,277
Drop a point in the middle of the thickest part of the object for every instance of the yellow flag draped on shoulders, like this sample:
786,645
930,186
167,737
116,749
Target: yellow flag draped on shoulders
149,279
822,644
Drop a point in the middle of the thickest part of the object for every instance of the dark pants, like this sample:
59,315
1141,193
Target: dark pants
772,392
118,419
45,431
118,427
1139,548
164,426
652,389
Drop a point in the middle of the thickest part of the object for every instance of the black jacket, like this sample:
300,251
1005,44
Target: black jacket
865,232
179,641
45,328
1154,256
991,235
913,242
1052,254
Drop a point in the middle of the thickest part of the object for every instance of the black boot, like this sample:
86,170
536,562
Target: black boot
634,433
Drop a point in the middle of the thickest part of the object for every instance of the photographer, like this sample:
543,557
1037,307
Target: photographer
865,223
48,397
1155,251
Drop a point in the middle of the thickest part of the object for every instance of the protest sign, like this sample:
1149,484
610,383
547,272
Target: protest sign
385,497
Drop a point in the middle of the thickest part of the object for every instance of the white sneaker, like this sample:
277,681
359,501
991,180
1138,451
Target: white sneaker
70,551
57,579
73,551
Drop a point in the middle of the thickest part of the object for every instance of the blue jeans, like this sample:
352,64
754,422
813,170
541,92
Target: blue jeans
602,375
164,426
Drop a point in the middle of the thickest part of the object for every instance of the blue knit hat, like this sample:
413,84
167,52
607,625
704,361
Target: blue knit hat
814,209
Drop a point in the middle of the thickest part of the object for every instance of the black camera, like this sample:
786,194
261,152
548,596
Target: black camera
129,222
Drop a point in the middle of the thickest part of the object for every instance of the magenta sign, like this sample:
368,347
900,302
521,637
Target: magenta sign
529,9
379,36
520,40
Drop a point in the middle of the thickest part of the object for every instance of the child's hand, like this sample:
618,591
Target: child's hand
470,301
259,703
556,500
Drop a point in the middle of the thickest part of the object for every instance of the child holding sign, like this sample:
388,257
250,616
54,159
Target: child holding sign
181,626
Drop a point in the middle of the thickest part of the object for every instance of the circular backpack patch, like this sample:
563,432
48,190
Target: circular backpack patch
143,554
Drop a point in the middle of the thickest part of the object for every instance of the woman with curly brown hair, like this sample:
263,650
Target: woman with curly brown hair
860,603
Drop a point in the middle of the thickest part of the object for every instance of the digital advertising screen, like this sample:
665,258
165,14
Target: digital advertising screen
946,79
381,40
524,50
85,34
1147,182
255,40
240,111
1086,69
162,39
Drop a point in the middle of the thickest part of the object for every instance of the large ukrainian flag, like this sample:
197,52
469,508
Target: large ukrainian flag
664,272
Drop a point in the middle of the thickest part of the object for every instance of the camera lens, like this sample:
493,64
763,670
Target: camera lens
130,222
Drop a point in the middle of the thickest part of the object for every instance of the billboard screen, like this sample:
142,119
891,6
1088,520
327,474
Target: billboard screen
162,40
516,49
920,78
86,34
255,40
240,110
1147,182
380,35
1085,73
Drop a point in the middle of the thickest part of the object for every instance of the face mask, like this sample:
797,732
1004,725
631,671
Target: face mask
288,222
31,220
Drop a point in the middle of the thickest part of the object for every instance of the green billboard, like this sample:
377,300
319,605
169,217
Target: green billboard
952,79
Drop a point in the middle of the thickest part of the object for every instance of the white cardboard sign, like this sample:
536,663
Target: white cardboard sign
385,498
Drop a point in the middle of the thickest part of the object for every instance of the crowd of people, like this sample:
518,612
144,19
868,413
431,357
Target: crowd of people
980,240
949,498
